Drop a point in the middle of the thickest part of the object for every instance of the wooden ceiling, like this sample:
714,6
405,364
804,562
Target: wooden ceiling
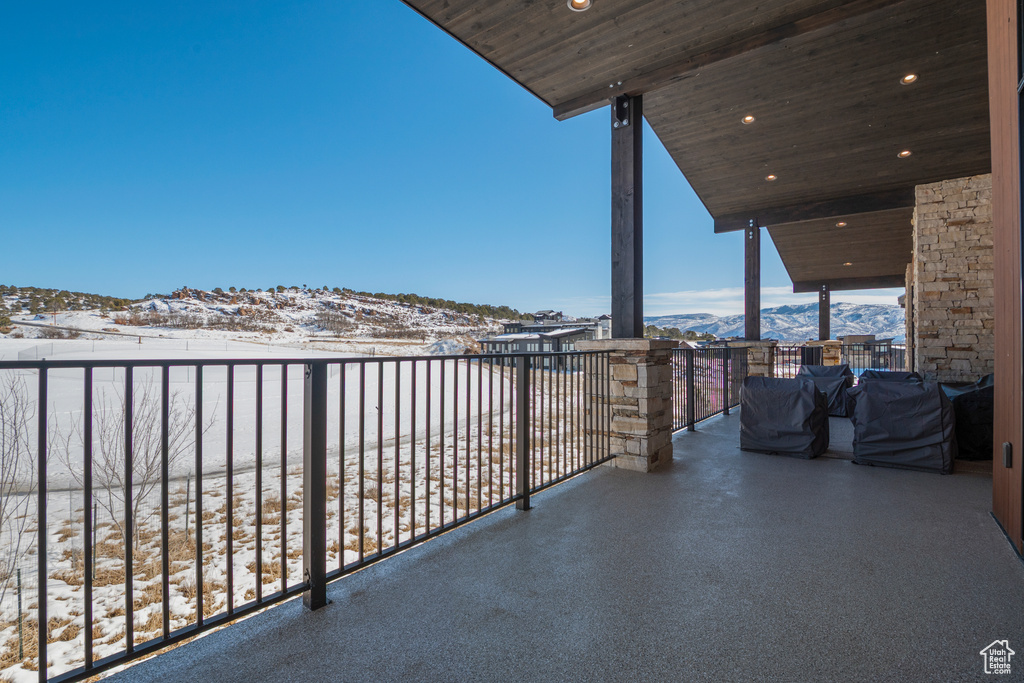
821,78
818,251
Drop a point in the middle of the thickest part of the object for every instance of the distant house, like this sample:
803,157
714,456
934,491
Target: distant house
597,328
547,315
549,341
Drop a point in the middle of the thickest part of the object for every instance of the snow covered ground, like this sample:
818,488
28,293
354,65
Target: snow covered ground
390,476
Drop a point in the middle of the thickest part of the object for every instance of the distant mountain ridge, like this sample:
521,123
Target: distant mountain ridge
797,323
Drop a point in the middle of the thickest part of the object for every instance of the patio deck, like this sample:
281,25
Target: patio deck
724,566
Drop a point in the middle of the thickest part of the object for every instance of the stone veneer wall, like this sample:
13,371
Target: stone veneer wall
953,279
641,400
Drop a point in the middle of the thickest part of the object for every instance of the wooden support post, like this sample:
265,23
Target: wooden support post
752,282
627,218
824,321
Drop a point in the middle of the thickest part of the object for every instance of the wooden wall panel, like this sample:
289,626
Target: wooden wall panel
1002,61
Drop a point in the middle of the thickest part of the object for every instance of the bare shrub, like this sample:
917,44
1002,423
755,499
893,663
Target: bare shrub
334,322
17,473
109,448
54,333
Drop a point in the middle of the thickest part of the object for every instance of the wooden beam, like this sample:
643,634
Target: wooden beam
752,283
852,283
688,65
627,218
885,200
824,314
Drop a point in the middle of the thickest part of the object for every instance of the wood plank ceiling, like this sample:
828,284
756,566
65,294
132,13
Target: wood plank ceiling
821,79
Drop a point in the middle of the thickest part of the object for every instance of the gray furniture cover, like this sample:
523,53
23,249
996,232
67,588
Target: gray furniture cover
974,407
841,370
904,424
890,376
833,381
783,416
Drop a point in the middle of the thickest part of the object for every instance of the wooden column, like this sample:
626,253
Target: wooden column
824,321
627,218
1004,108
752,282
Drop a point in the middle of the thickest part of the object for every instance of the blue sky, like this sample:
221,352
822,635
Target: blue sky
345,144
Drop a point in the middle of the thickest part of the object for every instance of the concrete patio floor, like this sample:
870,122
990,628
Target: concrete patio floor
723,566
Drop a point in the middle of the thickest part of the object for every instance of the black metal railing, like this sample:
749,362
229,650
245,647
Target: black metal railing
878,356
860,357
705,382
789,359
169,497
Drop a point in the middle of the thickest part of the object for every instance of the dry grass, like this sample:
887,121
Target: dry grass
57,630
213,596
271,571
153,624
67,531
102,576
369,541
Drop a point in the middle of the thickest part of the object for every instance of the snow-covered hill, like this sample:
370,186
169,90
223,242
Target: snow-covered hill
317,318
797,323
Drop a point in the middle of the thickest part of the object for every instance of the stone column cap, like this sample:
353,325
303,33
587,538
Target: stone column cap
626,344
824,342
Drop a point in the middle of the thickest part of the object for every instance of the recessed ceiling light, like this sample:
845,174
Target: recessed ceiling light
847,264
748,119
770,177
908,79
579,5
904,154
841,224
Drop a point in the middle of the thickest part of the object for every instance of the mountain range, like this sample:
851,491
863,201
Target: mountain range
797,323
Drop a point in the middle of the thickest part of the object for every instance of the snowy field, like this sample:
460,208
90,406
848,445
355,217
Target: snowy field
391,475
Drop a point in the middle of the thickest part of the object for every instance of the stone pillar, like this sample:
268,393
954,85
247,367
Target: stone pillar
831,351
760,355
641,400
953,305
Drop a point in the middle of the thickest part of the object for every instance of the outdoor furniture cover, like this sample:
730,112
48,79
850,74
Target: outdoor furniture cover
783,416
974,407
833,381
904,424
890,376
842,370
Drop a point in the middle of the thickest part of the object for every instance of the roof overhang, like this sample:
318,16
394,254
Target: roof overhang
822,80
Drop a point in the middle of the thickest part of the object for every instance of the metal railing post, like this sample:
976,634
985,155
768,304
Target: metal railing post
725,380
314,486
691,391
523,432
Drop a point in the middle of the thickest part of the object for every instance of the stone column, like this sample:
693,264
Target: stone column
953,292
760,355
641,400
831,352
